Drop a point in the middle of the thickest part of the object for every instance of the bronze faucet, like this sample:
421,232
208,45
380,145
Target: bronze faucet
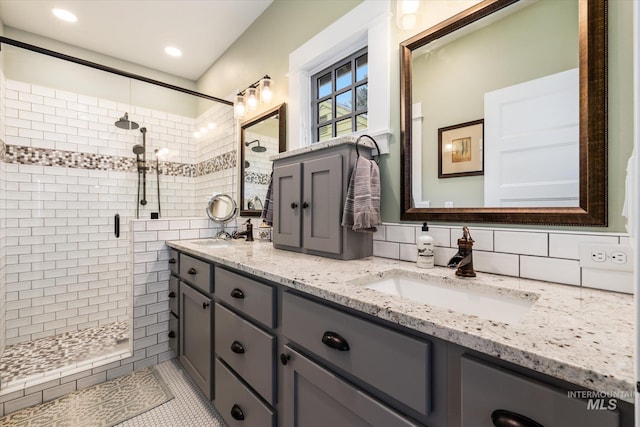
248,233
463,260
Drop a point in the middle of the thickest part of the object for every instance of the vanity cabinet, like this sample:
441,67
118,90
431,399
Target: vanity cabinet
284,358
394,364
195,304
309,191
316,397
489,391
174,314
246,344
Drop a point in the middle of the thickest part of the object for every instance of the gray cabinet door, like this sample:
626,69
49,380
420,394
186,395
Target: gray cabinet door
315,397
286,211
196,352
486,389
322,204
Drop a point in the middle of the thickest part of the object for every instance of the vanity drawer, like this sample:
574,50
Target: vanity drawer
487,388
173,261
237,404
196,273
247,350
395,364
173,333
174,294
255,299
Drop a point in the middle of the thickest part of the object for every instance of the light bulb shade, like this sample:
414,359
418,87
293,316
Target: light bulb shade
266,89
252,98
407,15
239,105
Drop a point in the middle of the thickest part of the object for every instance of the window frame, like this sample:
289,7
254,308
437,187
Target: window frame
354,113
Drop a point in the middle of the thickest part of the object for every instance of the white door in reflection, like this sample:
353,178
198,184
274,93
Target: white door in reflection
531,143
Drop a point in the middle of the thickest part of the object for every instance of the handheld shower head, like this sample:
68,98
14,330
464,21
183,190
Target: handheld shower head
138,149
124,123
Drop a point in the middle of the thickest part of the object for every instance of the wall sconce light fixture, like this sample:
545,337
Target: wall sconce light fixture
407,16
248,99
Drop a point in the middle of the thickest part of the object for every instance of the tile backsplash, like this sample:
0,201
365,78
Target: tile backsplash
547,255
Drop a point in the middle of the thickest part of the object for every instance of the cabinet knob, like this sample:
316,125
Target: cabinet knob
284,358
334,340
172,294
237,293
172,261
294,205
172,334
237,347
305,205
237,413
205,305
192,271
502,418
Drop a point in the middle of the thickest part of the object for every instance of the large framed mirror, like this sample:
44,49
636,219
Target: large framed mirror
260,138
504,115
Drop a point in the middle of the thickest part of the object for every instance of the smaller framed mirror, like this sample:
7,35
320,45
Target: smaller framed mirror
260,138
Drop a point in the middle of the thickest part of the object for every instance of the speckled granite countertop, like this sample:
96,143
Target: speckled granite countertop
580,335
321,145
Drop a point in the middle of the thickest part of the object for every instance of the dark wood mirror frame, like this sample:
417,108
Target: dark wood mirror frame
592,211
281,112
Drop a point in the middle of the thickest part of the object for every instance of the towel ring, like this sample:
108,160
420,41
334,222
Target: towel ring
377,160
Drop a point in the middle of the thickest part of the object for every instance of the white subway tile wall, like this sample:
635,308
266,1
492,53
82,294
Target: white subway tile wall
66,270
150,316
536,254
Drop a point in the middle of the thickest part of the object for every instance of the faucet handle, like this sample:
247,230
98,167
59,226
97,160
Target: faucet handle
466,235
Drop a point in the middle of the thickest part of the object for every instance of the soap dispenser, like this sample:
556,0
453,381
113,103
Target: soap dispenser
425,249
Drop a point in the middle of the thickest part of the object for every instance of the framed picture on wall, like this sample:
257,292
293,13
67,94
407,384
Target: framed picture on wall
460,150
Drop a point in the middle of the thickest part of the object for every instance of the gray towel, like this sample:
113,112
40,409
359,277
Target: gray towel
362,206
267,209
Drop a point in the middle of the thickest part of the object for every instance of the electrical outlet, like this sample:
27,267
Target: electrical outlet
606,256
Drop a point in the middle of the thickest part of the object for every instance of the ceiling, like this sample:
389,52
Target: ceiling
138,30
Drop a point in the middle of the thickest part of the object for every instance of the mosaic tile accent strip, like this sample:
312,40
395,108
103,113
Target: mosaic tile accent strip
256,178
102,405
46,354
48,157
224,161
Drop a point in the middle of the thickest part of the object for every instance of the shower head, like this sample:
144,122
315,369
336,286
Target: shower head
258,148
124,123
138,149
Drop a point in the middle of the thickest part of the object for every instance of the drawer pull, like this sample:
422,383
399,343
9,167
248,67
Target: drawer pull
192,271
294,205
237,293
237,348
284,358
334,340
172,334
205,305
502,418
237,413
172,261
172,294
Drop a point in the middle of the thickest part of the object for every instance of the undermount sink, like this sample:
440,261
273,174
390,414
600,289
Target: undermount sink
460,295
213,243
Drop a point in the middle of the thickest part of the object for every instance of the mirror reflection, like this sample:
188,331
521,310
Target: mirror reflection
261,137
503,115
517,71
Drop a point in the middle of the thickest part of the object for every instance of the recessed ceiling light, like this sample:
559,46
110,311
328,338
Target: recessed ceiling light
65,15
173,51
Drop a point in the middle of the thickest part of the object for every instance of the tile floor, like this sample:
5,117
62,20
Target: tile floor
32,358
189,408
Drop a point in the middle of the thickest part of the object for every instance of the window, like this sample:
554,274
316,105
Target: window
339,97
